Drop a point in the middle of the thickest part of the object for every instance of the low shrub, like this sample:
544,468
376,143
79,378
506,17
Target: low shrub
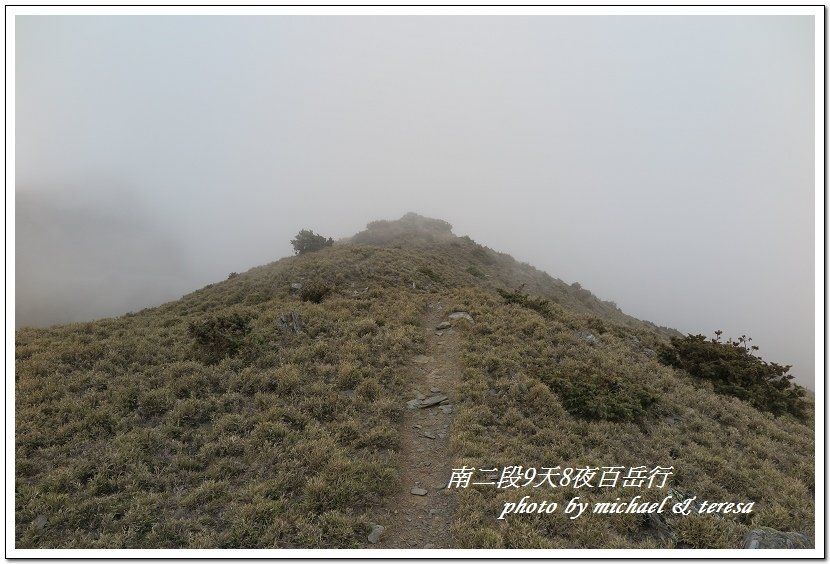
429,273
734,370
604,397
314,292
475,271
219,336
518,297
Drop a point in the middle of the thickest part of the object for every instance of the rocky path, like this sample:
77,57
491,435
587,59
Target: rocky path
420,514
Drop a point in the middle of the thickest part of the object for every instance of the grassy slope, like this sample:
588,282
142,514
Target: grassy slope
123,439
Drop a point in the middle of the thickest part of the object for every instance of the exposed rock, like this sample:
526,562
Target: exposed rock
422,359
766,537
432,400
296,287
374,536
447,408
429,546
413,404
290,322
418,491
588,336
40,522
649,353
658,522
461,315
434,390
429,435
443,325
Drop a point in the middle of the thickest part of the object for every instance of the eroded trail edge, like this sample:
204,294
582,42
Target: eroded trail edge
420,515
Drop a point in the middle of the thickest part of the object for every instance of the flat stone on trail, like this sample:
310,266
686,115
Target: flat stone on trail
432,400
434,390
422,359
443,325
445,408
374,536
461,315
418,491
413,404
429,435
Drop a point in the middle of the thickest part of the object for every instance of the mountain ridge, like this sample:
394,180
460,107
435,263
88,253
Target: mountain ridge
270,410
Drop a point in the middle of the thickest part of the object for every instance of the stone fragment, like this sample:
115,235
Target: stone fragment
588,336
374,536
418,491
290,322
767,537
461,315
432,400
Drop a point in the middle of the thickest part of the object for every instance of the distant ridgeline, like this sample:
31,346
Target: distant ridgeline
268,410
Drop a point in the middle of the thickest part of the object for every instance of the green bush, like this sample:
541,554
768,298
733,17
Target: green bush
429,273
475,271
735,371
520,298
307,241
314,292
219,336
604,397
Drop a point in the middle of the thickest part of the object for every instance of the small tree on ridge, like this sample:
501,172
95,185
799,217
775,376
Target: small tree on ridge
307,241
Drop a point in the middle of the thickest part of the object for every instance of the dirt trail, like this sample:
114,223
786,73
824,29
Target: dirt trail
424,521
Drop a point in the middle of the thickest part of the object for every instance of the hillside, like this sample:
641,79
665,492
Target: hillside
289,407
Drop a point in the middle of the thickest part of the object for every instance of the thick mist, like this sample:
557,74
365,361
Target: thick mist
665,163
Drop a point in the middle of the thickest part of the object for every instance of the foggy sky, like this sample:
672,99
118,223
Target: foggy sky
665,163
